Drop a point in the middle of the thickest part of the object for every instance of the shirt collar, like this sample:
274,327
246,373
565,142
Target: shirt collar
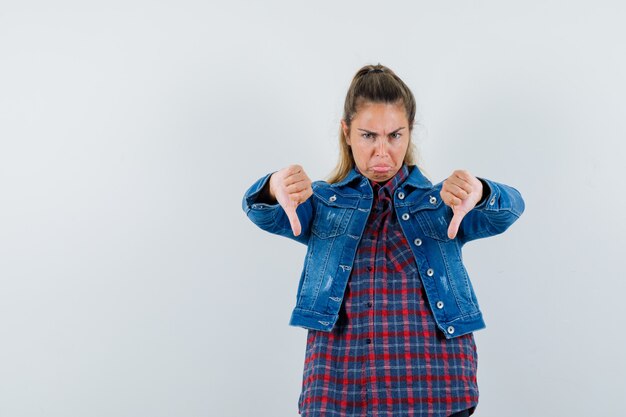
390,186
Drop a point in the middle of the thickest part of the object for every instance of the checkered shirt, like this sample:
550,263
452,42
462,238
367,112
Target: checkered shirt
385,356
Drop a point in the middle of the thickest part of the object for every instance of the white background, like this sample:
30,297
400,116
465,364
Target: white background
131,282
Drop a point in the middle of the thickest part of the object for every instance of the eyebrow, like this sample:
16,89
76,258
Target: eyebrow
375,133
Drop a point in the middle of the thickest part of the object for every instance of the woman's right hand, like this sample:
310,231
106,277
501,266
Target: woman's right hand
291,186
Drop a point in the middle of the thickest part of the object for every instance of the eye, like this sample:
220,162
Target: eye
396,135
367,135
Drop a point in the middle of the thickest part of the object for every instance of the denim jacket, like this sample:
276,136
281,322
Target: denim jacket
333,220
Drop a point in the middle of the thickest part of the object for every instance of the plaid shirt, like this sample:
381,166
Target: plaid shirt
385,356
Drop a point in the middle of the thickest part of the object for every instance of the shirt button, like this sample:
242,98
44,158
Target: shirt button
450,329
418,242
370,268
401,195
332,198
430,272
493,201
406,216
433,199
369,304
368,341
440,304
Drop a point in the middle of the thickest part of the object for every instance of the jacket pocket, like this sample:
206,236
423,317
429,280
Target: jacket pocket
434,224
332,214
433,216
330,221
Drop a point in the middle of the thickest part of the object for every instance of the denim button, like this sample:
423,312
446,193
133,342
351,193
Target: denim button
332,198
450,329
418,242
430,272
406,216
401,195
440,304
433,200
493,201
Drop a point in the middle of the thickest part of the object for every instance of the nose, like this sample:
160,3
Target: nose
381,148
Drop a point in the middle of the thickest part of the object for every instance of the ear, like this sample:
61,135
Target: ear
346,131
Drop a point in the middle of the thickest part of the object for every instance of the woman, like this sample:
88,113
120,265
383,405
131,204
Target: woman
387,302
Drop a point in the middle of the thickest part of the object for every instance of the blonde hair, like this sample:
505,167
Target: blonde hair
377,84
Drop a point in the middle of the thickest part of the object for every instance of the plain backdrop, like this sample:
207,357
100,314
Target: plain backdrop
131,282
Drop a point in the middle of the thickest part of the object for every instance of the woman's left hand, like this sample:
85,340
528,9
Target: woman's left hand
461,191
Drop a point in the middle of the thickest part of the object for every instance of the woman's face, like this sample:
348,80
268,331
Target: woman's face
379,138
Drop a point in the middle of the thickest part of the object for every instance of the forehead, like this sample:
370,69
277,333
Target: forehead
371,115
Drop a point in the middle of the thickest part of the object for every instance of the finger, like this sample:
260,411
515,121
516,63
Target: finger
460,183
294,221
292,170
450,199
296,185
473,184
463,174
296,178
453,228
302,196
306,194
457,191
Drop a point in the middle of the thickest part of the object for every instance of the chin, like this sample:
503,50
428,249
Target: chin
382,176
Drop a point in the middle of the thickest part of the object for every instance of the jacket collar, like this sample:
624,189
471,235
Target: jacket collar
353,176
415,179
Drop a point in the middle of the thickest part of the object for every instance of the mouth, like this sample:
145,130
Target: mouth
381,168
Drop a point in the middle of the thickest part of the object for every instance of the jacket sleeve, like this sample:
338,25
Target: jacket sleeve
271,217
499,209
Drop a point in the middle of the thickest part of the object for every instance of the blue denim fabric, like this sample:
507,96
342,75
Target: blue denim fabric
333,220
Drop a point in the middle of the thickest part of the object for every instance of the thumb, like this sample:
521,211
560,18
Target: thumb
294,221
453,228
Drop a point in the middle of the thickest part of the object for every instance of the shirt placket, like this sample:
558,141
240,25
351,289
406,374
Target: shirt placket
380,216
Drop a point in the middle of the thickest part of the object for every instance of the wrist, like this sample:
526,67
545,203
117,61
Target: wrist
268,190
485,192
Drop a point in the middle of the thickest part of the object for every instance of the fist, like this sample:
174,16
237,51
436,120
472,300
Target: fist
291,186
460,191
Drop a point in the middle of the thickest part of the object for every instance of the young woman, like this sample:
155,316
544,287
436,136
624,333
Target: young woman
384,294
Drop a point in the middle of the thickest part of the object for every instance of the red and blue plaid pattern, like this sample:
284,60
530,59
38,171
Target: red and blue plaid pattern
385,356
